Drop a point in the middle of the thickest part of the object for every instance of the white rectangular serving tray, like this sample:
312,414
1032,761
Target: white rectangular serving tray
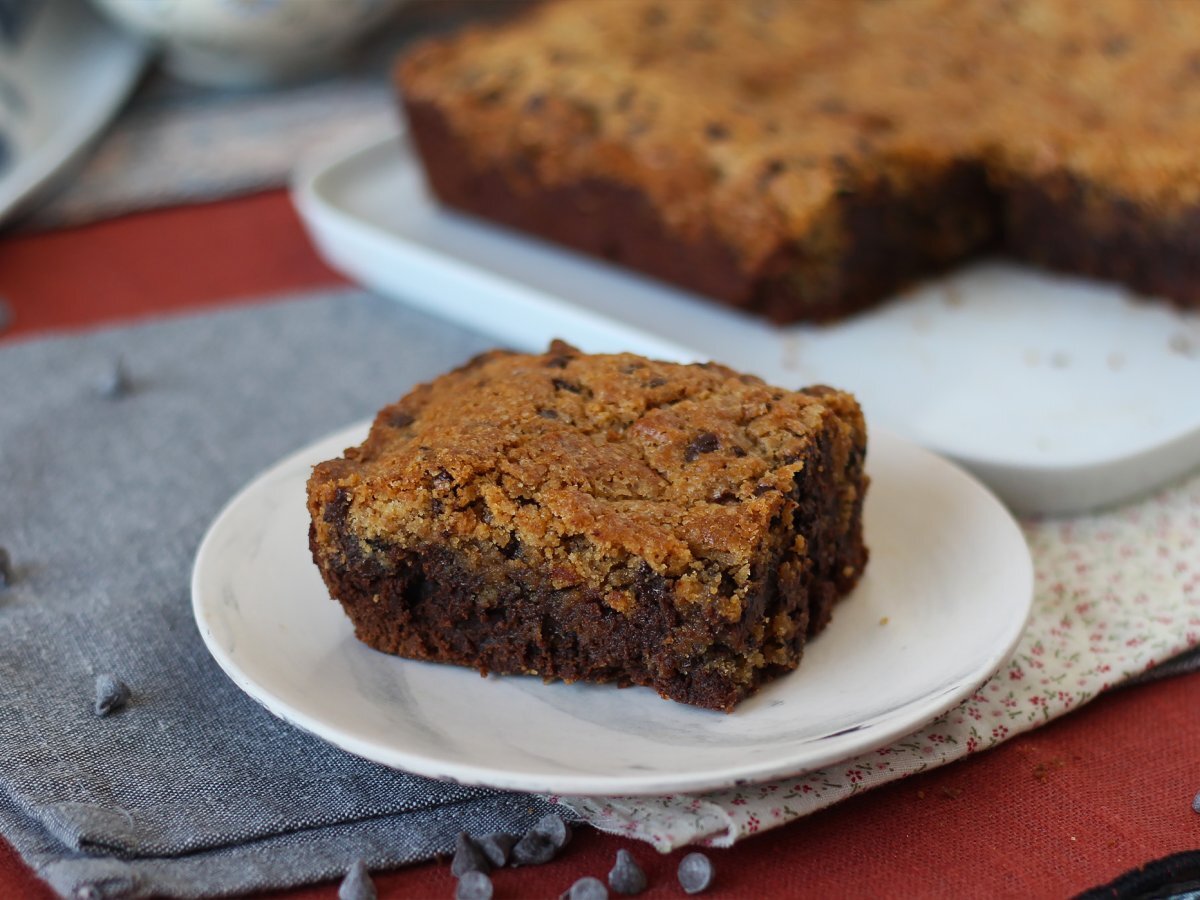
1062,394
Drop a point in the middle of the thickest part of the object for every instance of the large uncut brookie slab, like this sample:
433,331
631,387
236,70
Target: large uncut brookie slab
803,159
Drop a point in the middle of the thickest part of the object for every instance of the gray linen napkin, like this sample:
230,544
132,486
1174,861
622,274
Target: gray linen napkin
192,789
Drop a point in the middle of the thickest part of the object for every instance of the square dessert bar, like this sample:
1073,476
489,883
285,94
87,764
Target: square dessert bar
602,518
803,159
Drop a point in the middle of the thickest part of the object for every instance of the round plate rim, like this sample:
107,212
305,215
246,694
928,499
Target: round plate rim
918,712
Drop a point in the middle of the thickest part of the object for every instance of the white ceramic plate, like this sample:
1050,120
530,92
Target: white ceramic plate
943,602
64,72
1061,394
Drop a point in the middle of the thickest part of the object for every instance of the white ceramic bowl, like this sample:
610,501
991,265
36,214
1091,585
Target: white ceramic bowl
250,42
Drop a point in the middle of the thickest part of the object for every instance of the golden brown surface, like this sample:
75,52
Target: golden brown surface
685,467
750,120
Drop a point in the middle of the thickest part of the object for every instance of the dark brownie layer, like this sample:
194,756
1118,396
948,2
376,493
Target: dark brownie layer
886,239
424,603
596,216
1064,223
881,238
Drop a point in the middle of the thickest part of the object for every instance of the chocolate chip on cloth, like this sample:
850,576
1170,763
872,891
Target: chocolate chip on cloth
542,842
116,382
357,885
111,694
497,847
468,857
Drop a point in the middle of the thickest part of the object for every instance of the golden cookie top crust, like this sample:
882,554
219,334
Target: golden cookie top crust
588,464
748,119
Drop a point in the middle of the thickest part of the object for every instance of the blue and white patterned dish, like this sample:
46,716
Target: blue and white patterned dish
64,72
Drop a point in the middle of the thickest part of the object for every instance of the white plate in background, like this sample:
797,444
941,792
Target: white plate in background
1061,394
943,601
64,73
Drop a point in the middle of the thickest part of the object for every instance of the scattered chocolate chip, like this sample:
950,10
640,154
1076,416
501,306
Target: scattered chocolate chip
760,489
587,888
548,413
399,419
357,885
6,572
532,850
876,123
656,382
771,170
467,857
116,382
832,106
1116,45
728,586
553,827
474,886
716,131
492,95
542,842
561,385
442,478
704,442
695,873
111,694
626,876
496,847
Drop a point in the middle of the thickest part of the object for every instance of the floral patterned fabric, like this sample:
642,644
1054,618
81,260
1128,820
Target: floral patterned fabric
1115,594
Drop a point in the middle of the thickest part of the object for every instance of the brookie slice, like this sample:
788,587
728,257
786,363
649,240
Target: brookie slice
600,518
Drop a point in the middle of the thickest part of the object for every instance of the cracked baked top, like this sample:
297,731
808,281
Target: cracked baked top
580,463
